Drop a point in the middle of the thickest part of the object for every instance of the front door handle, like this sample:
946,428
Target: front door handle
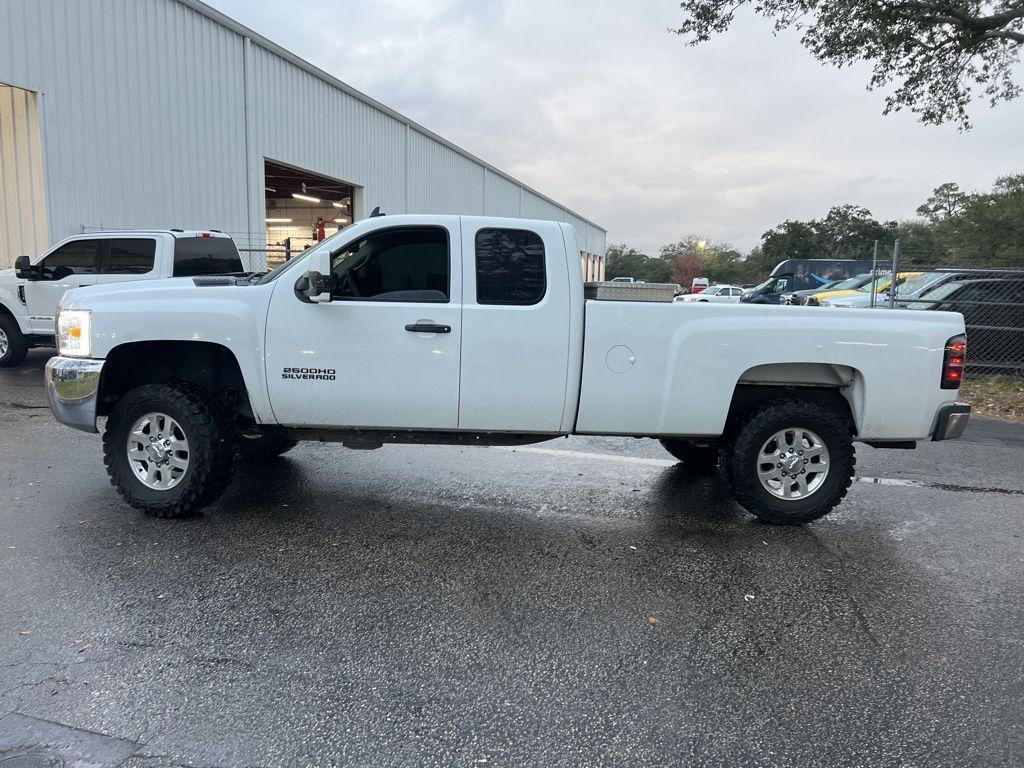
428,328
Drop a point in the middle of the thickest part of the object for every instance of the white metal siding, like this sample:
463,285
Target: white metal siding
501,196
442,181
22,197
536,207
159,113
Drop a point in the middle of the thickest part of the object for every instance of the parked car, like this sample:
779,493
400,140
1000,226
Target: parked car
814,296
699,284
801,275
30,292
717,293
475,331
796,298
908,284
993,312
624,280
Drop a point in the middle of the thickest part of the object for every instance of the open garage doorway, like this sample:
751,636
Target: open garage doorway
22,197
301,208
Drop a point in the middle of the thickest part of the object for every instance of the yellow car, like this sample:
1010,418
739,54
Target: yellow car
842,288
882,283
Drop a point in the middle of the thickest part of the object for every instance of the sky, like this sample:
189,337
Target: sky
595,104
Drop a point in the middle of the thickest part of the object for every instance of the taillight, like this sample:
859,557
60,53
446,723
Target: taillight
954,361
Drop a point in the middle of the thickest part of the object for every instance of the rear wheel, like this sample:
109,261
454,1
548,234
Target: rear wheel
791,463
169,450
13,344
690,454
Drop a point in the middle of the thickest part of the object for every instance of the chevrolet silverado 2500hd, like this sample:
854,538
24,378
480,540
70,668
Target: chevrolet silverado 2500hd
30,292
466,330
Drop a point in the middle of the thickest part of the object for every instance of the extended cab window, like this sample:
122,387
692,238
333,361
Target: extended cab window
130,256
509,267
205,256
401,264
75,258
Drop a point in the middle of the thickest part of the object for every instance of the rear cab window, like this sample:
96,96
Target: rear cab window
129,256
195,256
509,267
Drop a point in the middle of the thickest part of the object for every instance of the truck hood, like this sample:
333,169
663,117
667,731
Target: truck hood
163,290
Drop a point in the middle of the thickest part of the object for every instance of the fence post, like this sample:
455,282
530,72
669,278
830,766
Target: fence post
874,273
895,272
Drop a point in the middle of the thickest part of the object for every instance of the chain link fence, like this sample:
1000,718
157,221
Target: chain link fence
991,301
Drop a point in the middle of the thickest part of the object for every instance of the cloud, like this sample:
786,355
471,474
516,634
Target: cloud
598,106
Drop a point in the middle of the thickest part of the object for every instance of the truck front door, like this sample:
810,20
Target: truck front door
73,265
385,351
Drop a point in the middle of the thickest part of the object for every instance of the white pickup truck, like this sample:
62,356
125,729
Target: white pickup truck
30,292
466,330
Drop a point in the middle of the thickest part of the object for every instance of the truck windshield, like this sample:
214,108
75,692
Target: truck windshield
194,256
773,285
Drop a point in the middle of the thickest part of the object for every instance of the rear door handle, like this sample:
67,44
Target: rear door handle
428,328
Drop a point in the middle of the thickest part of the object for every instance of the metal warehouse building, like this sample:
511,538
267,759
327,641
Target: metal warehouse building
166,113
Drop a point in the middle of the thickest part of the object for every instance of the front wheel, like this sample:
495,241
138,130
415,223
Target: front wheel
169,450
791,463
13,344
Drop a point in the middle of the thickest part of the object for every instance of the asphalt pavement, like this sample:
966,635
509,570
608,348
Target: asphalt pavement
582,602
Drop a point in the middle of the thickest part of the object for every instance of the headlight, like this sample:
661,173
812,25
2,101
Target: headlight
74,332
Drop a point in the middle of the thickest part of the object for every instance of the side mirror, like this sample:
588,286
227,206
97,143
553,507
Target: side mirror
316,285
23,268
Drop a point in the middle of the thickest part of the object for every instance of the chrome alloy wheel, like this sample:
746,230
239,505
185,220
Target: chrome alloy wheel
158,451
792,464
4,343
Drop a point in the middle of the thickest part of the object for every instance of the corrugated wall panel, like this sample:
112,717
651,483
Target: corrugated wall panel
139,129
302,121
535,207
442,181
143,113
501,196
22,197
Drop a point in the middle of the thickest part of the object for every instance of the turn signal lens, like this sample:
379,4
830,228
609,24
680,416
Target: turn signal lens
954,361
74,338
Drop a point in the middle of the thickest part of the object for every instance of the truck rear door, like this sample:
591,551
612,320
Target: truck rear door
515,326
128,258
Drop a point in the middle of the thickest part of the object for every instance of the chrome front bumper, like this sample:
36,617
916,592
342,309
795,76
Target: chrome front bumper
951,421
72,387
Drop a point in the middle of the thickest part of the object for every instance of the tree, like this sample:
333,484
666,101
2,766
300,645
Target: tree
946,201
989,231
918,245
789,240
849,232
845,232
684,267
621,261
939,54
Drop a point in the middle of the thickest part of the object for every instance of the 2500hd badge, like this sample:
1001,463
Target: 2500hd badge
316,374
